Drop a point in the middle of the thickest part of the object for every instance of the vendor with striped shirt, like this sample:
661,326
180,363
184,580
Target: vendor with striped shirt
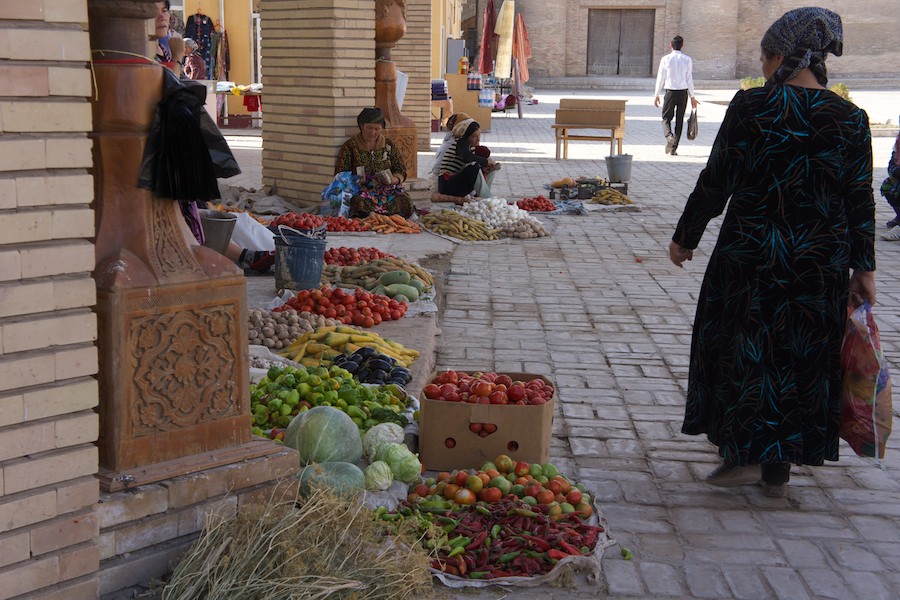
465,171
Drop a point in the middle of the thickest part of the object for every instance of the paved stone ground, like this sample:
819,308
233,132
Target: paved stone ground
600,309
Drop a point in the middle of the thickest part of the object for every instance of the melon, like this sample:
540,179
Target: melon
325,434
342,478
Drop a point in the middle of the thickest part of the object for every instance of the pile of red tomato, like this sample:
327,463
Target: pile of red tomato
360,308
344,224
536,204
345,256
298,221
487,388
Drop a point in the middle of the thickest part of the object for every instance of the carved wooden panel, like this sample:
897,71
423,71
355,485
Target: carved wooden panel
169,254
179,359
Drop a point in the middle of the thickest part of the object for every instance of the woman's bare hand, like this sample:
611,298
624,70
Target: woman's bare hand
678,254
862,288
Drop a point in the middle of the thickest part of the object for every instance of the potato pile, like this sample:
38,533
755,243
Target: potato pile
525,229
278,330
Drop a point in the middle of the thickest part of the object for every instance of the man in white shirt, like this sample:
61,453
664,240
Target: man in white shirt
675,76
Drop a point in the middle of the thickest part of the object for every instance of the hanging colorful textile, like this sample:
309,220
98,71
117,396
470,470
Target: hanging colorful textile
504,28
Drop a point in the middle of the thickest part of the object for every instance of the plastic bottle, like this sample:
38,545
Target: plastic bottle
464,65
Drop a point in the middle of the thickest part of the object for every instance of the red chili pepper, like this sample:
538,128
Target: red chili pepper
569,548
553,553
538,543
478,541
590,538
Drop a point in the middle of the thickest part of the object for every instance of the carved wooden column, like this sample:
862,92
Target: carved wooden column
172,314
390,27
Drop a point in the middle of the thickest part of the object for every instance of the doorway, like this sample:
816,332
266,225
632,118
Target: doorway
620,42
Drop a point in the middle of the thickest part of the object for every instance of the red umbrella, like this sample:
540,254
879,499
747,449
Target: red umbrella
486,54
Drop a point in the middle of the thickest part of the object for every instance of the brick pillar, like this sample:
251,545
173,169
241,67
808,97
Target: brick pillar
47,356
412,59
319,72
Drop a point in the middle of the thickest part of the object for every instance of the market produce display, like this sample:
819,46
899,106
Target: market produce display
455,224
340,478
361,308
369,365
276,330
286,392
494,212
390,224
345,256
610,196
536,204
343,224
298,220
525,229
499,521
326,344
371,274
487,388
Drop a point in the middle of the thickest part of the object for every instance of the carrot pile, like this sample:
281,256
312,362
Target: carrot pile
390,224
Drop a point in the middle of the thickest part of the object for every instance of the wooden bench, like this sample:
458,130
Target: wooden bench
576,114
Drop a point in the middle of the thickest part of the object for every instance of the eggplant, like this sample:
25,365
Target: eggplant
362,374
378,364
378,375
366,352
350,366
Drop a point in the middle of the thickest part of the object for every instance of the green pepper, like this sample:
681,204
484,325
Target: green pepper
456,551
460,540
509,556
495,531
478,574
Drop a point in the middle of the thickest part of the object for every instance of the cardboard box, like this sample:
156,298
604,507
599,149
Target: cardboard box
528,426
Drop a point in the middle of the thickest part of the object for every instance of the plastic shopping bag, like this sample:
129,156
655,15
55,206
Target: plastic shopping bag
865,387
692,125
336,197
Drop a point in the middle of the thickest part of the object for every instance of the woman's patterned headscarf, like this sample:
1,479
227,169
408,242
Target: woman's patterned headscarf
804,36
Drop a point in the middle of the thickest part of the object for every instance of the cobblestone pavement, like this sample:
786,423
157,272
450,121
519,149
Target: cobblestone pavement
599,308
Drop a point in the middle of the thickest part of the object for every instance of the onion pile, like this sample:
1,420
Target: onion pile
495,212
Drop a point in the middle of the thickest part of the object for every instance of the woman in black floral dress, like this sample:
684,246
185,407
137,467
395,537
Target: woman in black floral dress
375,159
793,162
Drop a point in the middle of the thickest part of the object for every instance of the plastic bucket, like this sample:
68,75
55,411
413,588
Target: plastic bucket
298,262
217,228
618,168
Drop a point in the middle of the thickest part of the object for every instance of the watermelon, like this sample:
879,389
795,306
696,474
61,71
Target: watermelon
325,434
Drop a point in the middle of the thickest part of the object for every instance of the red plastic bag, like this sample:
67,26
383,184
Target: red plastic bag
865,386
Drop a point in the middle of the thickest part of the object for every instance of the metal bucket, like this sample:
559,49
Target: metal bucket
618,168
217,228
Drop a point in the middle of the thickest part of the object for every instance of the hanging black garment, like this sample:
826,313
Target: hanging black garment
185,151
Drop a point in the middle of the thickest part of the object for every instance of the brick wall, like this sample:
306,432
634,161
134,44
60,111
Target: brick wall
318,71
48,531
413,57
558,34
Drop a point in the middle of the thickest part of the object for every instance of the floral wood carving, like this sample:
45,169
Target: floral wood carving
181,365
169,255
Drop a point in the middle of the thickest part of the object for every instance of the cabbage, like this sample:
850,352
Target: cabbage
381,451
380,434
408,469
403,463
378,476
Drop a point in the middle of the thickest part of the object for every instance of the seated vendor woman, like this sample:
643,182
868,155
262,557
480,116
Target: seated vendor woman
464,169
376,160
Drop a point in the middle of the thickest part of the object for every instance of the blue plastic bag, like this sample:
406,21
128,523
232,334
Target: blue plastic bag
336,197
